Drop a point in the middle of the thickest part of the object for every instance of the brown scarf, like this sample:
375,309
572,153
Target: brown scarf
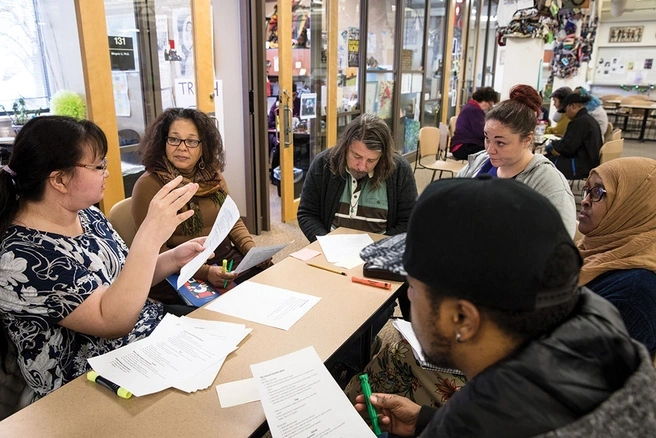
626,236
209,186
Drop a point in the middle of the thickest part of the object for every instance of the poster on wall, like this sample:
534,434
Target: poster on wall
385,91
308,106
121,97
183,42
353,46
625,34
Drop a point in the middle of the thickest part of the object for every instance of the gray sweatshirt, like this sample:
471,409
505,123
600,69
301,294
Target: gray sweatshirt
542,176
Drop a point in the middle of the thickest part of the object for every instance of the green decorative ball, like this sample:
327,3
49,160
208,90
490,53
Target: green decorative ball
68,103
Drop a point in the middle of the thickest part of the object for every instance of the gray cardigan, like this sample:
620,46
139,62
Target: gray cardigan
542,176
322,190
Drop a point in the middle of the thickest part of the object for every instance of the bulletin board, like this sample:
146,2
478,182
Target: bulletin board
625,66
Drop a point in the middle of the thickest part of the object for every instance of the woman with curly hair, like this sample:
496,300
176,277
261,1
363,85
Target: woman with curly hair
186,142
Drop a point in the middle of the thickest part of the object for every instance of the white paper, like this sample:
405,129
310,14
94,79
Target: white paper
267,305
153,364
238,392
343,246
405,328
257,255
225,220
305,254
350,262
301,399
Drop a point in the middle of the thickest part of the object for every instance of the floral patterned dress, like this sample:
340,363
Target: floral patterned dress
46,276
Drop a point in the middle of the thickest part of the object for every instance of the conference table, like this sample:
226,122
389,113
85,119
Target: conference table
345,312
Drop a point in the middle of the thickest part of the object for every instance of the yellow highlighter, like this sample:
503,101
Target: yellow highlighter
121,392
225,269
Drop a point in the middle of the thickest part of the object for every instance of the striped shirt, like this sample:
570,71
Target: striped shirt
362,207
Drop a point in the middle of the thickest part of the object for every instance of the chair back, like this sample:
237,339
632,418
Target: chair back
611,150
609,132
120,216
429,141
444,140
452,125
617,134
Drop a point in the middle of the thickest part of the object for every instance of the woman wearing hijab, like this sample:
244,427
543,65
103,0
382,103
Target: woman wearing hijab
618,221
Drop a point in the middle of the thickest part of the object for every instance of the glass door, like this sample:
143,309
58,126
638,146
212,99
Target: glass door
296,60
434,72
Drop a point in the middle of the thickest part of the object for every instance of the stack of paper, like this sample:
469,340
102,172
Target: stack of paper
276,307
344,249
183,353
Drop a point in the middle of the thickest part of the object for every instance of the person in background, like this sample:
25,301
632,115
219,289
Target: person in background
542,356
509,153
69,289
618,223
560,118
361,183
577,152
468,137
184,142
274,111
543,114
595,109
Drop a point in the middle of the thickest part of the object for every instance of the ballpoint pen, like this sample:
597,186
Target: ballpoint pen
366,391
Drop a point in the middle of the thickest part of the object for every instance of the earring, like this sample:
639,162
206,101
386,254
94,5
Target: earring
458,337
201,163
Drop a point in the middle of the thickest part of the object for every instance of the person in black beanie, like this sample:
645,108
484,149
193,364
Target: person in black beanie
543,357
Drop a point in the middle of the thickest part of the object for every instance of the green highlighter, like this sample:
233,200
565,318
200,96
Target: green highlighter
373,415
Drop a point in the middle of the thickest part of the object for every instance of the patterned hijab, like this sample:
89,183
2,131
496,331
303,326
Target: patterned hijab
209,186
626,236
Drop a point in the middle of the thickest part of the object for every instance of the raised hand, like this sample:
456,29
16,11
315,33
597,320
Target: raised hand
163,217
399,414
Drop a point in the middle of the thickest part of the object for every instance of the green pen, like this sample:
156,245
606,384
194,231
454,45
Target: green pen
373,415
225,282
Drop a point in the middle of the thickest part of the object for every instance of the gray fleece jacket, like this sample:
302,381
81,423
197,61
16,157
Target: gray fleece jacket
542,176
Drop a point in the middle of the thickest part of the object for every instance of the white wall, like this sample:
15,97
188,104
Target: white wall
227,65
519,62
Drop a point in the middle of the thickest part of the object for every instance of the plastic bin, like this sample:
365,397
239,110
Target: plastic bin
298,180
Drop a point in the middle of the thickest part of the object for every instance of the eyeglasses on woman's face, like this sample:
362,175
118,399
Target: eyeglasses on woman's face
596,193
103,165
189,142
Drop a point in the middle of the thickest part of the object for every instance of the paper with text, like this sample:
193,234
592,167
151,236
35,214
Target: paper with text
237,392
257,255
340,247
301,399
267,305
225,220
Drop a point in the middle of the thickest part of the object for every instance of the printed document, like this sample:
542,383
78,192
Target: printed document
225,220
267,305
301,399
341,247
257,255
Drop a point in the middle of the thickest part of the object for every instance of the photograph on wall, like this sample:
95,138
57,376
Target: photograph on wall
625,34
308,106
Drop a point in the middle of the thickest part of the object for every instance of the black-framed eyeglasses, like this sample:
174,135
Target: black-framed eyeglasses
596,193
190,142
103,165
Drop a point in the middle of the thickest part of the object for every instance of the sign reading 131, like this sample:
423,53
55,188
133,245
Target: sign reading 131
121,53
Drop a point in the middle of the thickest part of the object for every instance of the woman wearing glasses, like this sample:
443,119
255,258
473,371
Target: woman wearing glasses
618,221
185,142
68,288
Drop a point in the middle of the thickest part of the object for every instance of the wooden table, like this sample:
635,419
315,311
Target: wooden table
647,108
82,408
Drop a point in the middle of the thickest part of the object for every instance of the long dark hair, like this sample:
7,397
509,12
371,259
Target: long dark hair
45,144
153,145
375,134
519,111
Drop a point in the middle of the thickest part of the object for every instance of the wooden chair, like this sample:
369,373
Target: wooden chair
432,143
616,134
609,132
452,125
120,216
611,150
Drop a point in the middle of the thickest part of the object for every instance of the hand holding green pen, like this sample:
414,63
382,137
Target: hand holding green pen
373,415
227,267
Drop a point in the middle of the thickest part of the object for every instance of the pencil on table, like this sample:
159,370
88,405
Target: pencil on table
327,268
